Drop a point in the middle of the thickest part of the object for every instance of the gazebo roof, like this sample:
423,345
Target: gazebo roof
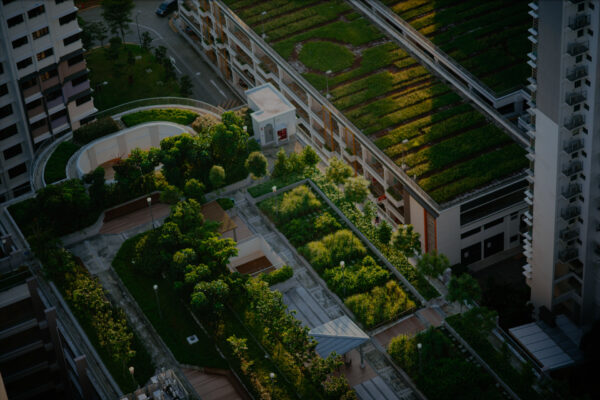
340,335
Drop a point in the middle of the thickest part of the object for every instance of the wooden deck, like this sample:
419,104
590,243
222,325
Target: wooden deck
211,386
251,267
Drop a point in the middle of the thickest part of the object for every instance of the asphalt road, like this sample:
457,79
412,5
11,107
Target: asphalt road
208,86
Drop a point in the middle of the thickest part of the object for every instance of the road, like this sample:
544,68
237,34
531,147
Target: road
208,86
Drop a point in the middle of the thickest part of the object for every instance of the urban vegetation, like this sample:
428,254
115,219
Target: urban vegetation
445,144
489,39
176,115
55,169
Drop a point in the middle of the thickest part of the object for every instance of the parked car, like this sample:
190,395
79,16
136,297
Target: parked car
166,7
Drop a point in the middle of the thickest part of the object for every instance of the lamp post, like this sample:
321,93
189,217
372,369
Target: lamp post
131,371
263,24
138,26
155,287
149,201
419,346
274,189
327,82
343,265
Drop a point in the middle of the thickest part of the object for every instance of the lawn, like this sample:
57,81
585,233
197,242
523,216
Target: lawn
127,82
56,167
488,38
387,94
179,116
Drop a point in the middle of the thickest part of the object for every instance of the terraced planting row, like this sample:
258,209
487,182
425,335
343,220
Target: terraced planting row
488,38
447,146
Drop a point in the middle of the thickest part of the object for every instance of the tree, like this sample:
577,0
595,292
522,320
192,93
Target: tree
217,176
338,171
310,159
87,37
146,41
160,53
464,289
100,32
356,189
194,189
433,264
281,167
117,14
170,194
169,69
113,49
256,163
384,232
186,85
407,240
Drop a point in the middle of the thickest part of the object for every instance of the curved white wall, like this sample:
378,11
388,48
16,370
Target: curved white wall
120,144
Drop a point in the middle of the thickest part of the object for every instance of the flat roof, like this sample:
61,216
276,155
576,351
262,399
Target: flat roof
269,101
541,346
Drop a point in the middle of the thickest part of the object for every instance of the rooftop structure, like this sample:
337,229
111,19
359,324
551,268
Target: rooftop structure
272,113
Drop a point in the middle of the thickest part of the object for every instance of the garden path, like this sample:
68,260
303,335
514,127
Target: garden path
375,355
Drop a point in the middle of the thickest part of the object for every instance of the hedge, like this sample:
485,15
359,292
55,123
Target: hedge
279,275
179,116
94,130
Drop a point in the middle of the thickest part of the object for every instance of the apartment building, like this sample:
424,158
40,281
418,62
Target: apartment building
562,244
472,227
44,86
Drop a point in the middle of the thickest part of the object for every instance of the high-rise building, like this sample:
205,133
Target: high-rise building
44,86
563,242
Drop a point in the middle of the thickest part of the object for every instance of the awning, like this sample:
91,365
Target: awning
340,336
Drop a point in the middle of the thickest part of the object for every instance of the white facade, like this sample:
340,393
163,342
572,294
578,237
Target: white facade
44,89
274,117
562,242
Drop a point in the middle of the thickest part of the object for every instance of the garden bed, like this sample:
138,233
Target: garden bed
176,115
56,167
388,95
489,38
366,288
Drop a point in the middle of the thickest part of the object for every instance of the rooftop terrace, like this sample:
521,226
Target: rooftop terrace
417,121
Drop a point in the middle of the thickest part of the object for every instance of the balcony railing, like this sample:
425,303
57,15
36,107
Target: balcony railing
568,234
572,190
573,168
573,145
597,249
575,97
577,73
579,21
574,121
570,212
568,254
577,48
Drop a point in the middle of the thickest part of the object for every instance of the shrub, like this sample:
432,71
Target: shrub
256,164
333,248
217,176
204,122
279,275
94,130
357,278
297,202
179,116
299,231
380,304
225,203
325,224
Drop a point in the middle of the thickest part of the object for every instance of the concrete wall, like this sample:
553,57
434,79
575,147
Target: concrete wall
120,144
250,249
448,241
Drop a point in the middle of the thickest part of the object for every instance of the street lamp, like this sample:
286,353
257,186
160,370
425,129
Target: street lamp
155,287
419,346
149,201
131,371
327,82
343,265
263,24
138,26
274,189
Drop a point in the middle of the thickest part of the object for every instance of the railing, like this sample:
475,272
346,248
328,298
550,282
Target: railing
579,21
575,97
577,73
577,48
155,101
570,212
575,121
573,168
573,145
568,234
572,190
567,255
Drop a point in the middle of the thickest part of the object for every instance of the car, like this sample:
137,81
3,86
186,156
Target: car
166,7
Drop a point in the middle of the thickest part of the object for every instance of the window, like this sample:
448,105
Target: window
3,89
38,124
580,33
577,84
40,33
580,7
34,12
576,107
44,54
48,74
514,238
83,99
58,115
586,106
588,57
590,32
53,95
16,171
579,58
59,1
8,131
591,5
12,151
79,80
6,111
470,233
21,189
34,104
67,18
20,42
14,21
493,223
1,69
24,63
75,60
28,83
5,2
72,39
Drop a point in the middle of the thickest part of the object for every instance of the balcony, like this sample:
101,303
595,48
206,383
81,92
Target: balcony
48,83
572,190
575,97
50,104
567,234
574,121
573,145
579,21
59,122
39,131
577,48
35,111
570,212
30,91
573,168
577,73
568,254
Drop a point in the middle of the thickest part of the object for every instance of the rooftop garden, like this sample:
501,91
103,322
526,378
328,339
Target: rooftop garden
445,144
487,38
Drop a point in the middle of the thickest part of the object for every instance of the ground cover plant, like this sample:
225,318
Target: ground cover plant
128,78
405,110
489,38
366,287
55,169
177,115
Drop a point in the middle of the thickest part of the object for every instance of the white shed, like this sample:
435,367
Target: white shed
274,117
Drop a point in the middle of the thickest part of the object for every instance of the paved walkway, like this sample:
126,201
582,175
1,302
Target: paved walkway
136,218
211,386
409,326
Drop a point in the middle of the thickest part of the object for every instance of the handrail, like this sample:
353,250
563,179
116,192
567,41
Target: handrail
153,101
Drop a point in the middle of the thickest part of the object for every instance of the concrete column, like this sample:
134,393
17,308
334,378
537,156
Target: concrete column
84,380
58,349
38,305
